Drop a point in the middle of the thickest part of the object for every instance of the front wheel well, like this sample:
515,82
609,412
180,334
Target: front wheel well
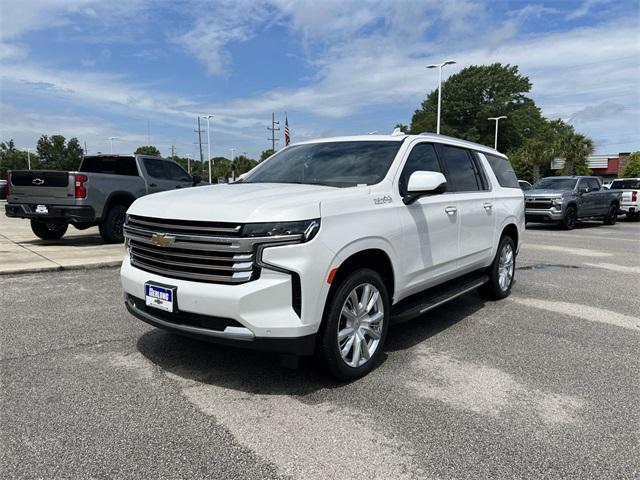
375,259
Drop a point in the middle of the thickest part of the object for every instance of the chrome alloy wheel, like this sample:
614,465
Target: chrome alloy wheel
360,325
505,267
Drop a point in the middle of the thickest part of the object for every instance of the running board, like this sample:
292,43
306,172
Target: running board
420,303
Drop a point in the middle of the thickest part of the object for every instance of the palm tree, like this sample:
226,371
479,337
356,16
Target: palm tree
575,149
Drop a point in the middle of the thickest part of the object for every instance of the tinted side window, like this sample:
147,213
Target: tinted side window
459,169
503,170
594,185
154,167
174,172
422,158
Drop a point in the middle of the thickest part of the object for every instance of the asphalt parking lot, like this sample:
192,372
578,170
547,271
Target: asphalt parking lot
544,384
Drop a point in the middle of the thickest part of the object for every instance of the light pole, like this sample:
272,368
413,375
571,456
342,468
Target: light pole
497,120
208,144
439,67
111,139
189,163
29,158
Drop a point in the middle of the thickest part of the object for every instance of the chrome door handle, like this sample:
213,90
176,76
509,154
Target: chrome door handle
451,210
487,206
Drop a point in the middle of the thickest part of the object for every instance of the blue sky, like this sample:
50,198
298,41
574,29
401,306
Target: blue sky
96,69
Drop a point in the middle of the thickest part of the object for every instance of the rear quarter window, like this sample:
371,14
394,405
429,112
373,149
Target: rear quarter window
503,171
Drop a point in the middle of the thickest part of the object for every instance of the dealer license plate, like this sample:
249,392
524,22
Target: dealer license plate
162,298
42,209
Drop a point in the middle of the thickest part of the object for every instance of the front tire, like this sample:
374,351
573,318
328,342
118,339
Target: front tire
501,272
111,227
355,325
49,231
570,218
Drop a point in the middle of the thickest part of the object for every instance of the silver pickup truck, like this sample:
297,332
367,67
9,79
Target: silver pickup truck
99,193
565,200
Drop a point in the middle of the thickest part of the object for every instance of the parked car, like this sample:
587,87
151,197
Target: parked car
524,185
565,200
3,189
629,203
319,248
99,193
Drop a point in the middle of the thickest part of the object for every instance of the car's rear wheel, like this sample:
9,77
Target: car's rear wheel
570,218
111,228
612,215
502,271
49,231
355,325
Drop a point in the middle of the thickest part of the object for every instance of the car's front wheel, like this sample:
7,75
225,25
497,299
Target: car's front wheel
355,325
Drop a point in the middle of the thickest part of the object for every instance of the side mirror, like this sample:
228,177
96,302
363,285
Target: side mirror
197,179
424,183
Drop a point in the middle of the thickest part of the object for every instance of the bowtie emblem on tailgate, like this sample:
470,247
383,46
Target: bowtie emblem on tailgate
37,181
162,240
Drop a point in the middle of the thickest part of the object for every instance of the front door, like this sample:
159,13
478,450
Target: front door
430,226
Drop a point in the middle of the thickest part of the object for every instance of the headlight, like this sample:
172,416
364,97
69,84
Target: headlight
306,228
557,202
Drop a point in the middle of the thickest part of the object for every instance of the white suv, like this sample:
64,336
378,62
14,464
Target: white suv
325,244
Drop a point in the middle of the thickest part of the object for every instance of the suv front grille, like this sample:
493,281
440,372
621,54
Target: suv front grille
210,252
544,203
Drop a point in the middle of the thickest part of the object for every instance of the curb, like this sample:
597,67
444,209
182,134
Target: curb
59,268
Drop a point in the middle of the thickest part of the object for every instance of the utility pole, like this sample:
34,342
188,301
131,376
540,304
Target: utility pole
200,145
173,152
273,129
85,147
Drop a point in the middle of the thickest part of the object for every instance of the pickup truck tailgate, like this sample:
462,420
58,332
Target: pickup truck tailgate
44,186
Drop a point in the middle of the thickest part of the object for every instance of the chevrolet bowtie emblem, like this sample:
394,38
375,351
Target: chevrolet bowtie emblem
162,240
37,181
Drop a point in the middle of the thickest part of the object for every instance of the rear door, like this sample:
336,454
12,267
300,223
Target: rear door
165,175
468,188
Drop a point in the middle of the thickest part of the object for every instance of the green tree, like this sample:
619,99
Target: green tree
242,164
266,154
403,128
476,93
57,154
222,167
147,150
13,159
633,167
575,148
534,155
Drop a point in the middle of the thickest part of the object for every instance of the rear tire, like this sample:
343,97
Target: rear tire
49,231
501,272
354,327
612,215
570,218
111,227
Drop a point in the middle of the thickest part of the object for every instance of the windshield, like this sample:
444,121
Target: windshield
337,164
625,184
555,184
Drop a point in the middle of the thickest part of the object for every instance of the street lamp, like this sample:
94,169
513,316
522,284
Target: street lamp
208,143
189,163
29,158
496,119
439,67
111,139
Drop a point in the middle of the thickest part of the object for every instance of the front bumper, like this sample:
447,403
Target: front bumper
71,213
543,215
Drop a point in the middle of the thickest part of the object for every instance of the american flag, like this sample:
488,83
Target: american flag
287,133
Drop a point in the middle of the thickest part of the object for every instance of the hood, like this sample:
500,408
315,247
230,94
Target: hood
241,202
544,193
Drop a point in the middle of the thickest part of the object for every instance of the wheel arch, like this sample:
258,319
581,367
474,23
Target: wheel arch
117,198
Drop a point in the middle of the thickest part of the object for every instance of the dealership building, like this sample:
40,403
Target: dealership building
605,166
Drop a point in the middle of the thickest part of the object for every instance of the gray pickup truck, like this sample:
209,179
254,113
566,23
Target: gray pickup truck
565,200
99,193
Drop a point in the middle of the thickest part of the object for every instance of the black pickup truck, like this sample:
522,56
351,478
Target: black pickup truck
99,193
565,200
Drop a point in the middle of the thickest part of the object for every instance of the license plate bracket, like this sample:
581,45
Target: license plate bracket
162,297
